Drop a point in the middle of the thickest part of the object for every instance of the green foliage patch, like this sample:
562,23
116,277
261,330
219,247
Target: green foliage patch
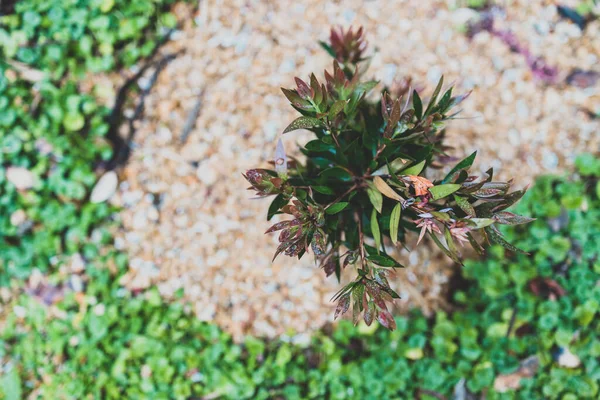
111,344
51,132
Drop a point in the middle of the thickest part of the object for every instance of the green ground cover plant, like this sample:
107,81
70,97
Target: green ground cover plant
369,175
101,341
508,308
52,134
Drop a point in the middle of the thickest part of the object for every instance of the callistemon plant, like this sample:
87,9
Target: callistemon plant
365,181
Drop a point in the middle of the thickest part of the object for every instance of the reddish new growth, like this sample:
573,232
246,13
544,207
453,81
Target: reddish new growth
365,182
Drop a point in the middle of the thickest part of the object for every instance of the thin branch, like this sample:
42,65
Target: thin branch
190,122
122,147
361,238
342,196
379,151
335,139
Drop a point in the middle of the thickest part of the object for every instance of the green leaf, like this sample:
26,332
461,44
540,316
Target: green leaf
375,230
318,145
336,108
464,164
464,205
383,260
449,253
481,222
441,191
435,94
303,123
497,238
450,241
413,169
365,87
508,218
327,48
588,164
417,105
395,222
277,203
323,189
73,121
336,208
375,196
444,103
336,173
475,244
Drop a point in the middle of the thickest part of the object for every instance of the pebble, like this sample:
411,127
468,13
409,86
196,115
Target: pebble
77,264
99,309
20,177
461,16
20,311
207,174
76,283
105,187
567,359
18,217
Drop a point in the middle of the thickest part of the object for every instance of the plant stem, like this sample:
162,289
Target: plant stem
361,238
342,196
379,151
335,139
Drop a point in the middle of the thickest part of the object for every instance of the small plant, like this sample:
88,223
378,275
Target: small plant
368,176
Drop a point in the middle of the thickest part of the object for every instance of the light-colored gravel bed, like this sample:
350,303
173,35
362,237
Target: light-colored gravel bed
206,234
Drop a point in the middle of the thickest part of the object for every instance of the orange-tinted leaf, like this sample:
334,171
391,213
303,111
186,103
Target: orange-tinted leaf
420,184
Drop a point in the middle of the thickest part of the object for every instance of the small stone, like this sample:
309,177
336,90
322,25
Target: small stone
99,309
153,214
76,283
43,147
20,312
18,217
146,371
206,174
77,263
542,27
105,187
567,359
22,178
463,15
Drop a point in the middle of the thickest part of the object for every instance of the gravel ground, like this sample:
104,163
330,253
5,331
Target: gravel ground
188,223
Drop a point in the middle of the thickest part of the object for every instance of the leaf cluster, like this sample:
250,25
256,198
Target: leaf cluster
371,175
